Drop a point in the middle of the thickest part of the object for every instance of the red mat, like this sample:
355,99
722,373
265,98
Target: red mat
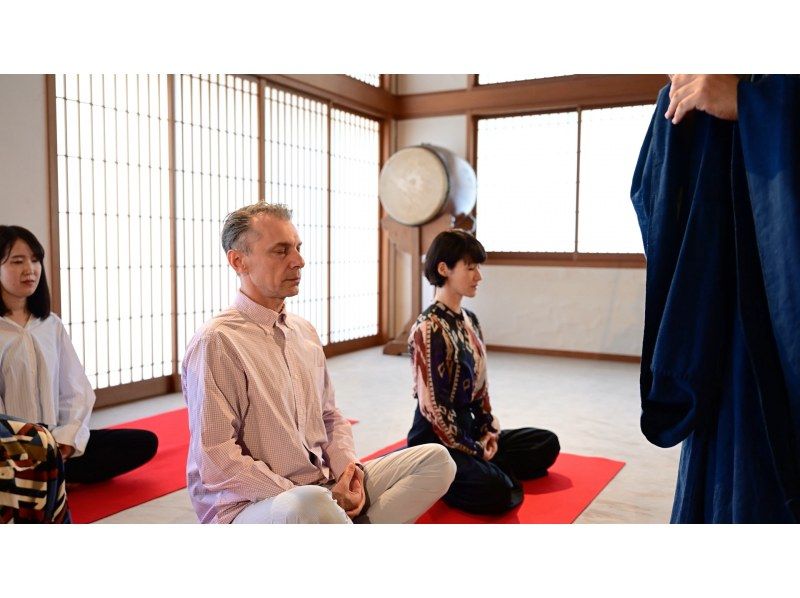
573,483
561,496
164,473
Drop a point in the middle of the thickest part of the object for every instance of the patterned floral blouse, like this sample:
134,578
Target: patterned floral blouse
449,365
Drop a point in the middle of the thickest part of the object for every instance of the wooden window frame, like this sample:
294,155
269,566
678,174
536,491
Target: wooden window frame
559,259
638,90
555,94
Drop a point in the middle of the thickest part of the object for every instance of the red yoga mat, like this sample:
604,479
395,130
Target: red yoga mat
164,473
571,485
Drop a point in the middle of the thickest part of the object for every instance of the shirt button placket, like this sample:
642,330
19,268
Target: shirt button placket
294,371
33,370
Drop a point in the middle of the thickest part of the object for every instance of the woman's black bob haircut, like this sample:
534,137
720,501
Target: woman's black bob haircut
449,247
39,302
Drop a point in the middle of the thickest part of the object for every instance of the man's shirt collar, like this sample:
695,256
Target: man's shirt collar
260,314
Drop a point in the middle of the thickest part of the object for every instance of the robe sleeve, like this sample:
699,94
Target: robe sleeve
684,215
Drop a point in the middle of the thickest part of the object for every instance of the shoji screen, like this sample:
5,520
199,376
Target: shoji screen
216,171
113,213
354,234
296,166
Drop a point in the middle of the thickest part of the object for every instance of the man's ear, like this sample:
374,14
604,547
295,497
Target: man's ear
237,261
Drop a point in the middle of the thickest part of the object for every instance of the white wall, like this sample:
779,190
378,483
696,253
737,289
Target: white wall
593,310
447,131
407,84
24,196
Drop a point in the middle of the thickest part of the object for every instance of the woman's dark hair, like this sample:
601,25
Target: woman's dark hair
449,247
38,303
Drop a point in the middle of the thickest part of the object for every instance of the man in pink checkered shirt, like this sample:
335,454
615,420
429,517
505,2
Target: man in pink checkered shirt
268,444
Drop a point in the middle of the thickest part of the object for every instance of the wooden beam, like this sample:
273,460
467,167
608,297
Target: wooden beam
570,354
566,260
539,95
132,391
386,133
173,225
356,344
342,90
52,179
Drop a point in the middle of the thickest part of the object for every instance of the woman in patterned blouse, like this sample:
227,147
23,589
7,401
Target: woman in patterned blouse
449,365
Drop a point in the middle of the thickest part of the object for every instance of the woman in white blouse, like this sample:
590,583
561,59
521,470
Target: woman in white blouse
41,378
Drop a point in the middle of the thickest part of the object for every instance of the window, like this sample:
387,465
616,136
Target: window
113,213
296,139
526,182
610,142
374,80
216,172
560,182
117,210
510,77
335,208
354,236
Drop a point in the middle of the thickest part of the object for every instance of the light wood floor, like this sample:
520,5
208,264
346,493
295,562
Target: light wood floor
593,406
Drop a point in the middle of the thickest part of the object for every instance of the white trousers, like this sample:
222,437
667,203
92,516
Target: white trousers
400,487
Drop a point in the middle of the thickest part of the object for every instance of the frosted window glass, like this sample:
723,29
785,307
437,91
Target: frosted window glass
610,142
526,182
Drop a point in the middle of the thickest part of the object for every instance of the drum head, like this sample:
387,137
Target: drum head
413,185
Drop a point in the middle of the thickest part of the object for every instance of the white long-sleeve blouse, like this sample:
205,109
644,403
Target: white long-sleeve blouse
42,379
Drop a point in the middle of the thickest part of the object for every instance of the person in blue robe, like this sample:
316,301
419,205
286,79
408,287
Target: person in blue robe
717,194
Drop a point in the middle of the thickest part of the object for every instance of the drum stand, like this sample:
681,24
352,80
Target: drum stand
415,240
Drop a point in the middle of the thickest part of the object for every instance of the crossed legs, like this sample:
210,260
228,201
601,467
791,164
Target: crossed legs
400,487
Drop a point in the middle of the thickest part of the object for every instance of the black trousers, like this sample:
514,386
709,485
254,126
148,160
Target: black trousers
110,453
491,487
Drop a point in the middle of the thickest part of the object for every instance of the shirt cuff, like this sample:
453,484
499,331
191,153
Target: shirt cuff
339,462
74,435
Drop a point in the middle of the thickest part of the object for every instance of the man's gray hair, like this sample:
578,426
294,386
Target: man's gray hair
237,223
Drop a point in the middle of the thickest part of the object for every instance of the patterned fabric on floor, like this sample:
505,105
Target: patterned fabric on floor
32,487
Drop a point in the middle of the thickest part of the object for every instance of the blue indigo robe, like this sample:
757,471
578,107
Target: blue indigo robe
718,204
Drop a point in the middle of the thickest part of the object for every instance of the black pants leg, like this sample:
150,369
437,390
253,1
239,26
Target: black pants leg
110,453
526,453
492,487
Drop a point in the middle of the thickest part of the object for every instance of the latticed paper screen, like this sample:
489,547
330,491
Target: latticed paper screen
113,157
374,80
113,214
296,157
323,164
354,236
216,172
